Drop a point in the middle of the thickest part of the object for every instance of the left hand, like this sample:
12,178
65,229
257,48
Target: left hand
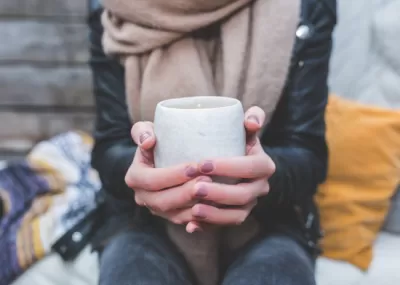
256,167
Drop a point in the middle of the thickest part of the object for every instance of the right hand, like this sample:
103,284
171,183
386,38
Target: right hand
166,192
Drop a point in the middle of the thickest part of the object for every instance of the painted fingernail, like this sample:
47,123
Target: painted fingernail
254,119
191,172
199,214
201,190
143,137
207,167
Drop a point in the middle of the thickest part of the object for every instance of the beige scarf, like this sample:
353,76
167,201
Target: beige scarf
179,48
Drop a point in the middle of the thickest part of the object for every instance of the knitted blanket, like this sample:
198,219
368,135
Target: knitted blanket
43,197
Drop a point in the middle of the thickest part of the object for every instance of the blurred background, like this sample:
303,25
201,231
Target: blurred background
45,92
45,83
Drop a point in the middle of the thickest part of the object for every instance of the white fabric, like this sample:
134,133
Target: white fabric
52,270
384,270
365,63
335,272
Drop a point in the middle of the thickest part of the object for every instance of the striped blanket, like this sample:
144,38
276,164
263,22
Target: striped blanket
43,197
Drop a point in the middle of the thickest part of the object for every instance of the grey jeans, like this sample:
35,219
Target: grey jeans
145,258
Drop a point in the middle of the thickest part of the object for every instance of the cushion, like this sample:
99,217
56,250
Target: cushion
364,167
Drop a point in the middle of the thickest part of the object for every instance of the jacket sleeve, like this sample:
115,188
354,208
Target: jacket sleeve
295,138
114,148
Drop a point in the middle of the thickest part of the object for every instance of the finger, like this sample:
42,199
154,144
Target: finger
144,176
138,200
193,226
170,199
216,216
250,167
144,157
177,217
254,119
253,145
143,135
232,195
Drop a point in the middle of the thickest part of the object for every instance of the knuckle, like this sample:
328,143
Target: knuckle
272,167
138,201
262,187
153,205
246,197
177,220
160,207
266,188
240,220
269,165
130,179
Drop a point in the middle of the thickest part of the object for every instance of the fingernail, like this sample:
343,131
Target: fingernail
201,190
207,167
191,172
143,137
199,214
254,119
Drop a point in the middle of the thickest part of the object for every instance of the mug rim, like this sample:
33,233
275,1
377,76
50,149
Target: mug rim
222,102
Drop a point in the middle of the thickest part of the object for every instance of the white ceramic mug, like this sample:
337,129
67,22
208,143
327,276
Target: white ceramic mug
192,129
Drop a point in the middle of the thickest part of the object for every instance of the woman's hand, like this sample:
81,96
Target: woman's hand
238,200
167,192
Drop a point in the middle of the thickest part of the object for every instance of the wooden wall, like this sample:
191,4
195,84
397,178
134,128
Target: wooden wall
45,82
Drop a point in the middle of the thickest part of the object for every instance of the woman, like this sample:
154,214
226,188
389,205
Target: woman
291,151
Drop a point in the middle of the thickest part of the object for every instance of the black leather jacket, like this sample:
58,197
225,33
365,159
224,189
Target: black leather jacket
295,138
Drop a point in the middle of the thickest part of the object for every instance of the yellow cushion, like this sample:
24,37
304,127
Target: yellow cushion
364,170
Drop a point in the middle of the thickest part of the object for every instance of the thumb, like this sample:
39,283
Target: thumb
254,120
143,135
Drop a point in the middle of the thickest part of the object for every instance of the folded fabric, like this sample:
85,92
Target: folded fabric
363,175
44,196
